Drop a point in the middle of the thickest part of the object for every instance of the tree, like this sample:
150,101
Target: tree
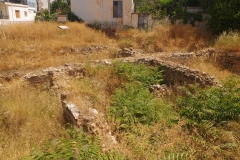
63,7
161,8
174,9
225,15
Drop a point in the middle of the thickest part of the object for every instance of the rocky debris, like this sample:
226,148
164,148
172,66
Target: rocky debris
128,52
39,78
8,76
177,74
71,112
182,55
160,90
174,73
91,49
229,61
93,121
206,52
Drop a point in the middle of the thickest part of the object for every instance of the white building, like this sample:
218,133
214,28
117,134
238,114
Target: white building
105,12
15,12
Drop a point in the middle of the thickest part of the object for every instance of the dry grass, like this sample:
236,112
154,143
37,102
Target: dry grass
229,41
165,38
206,64
94,89
40,45
28,117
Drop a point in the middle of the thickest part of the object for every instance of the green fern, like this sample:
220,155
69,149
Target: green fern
215,104
75,145
176,156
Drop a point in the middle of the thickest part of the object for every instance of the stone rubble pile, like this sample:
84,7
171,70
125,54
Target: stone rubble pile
91,120
91,49
160,90
129,52
182,55
206,52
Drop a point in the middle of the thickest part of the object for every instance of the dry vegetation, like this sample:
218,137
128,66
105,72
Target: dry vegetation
37,45
166,38
28,117
31,116
229,41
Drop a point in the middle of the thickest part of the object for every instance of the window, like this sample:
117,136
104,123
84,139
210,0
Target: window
25,13
117,9
17,13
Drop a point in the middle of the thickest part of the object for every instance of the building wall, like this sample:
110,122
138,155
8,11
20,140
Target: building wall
9,9
101,11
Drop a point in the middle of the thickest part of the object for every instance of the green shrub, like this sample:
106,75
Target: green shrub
75,145
138,73
134,104
216,104
45,15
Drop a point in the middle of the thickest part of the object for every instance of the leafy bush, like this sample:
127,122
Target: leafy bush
215,104
134,104
75,145
225,15
63,7
45,15
138,73
72,17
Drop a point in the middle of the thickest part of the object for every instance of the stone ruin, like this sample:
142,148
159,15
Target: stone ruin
90,118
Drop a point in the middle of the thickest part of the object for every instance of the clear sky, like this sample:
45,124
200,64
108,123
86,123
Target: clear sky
32,3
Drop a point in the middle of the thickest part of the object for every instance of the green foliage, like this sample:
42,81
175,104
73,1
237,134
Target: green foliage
60,6
216,104
75,145
192,17
193,3
46,16
63,7
225,15
176,156
72,17
134,104
170,8
138,73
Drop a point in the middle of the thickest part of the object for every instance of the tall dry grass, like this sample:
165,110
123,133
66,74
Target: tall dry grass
28,117
229,41
44,44
166,38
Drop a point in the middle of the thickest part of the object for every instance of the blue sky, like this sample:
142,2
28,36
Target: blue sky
32,2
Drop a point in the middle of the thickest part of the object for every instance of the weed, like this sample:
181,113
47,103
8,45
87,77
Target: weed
215,104
134,104
138,73
28,117
74,145
229,41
